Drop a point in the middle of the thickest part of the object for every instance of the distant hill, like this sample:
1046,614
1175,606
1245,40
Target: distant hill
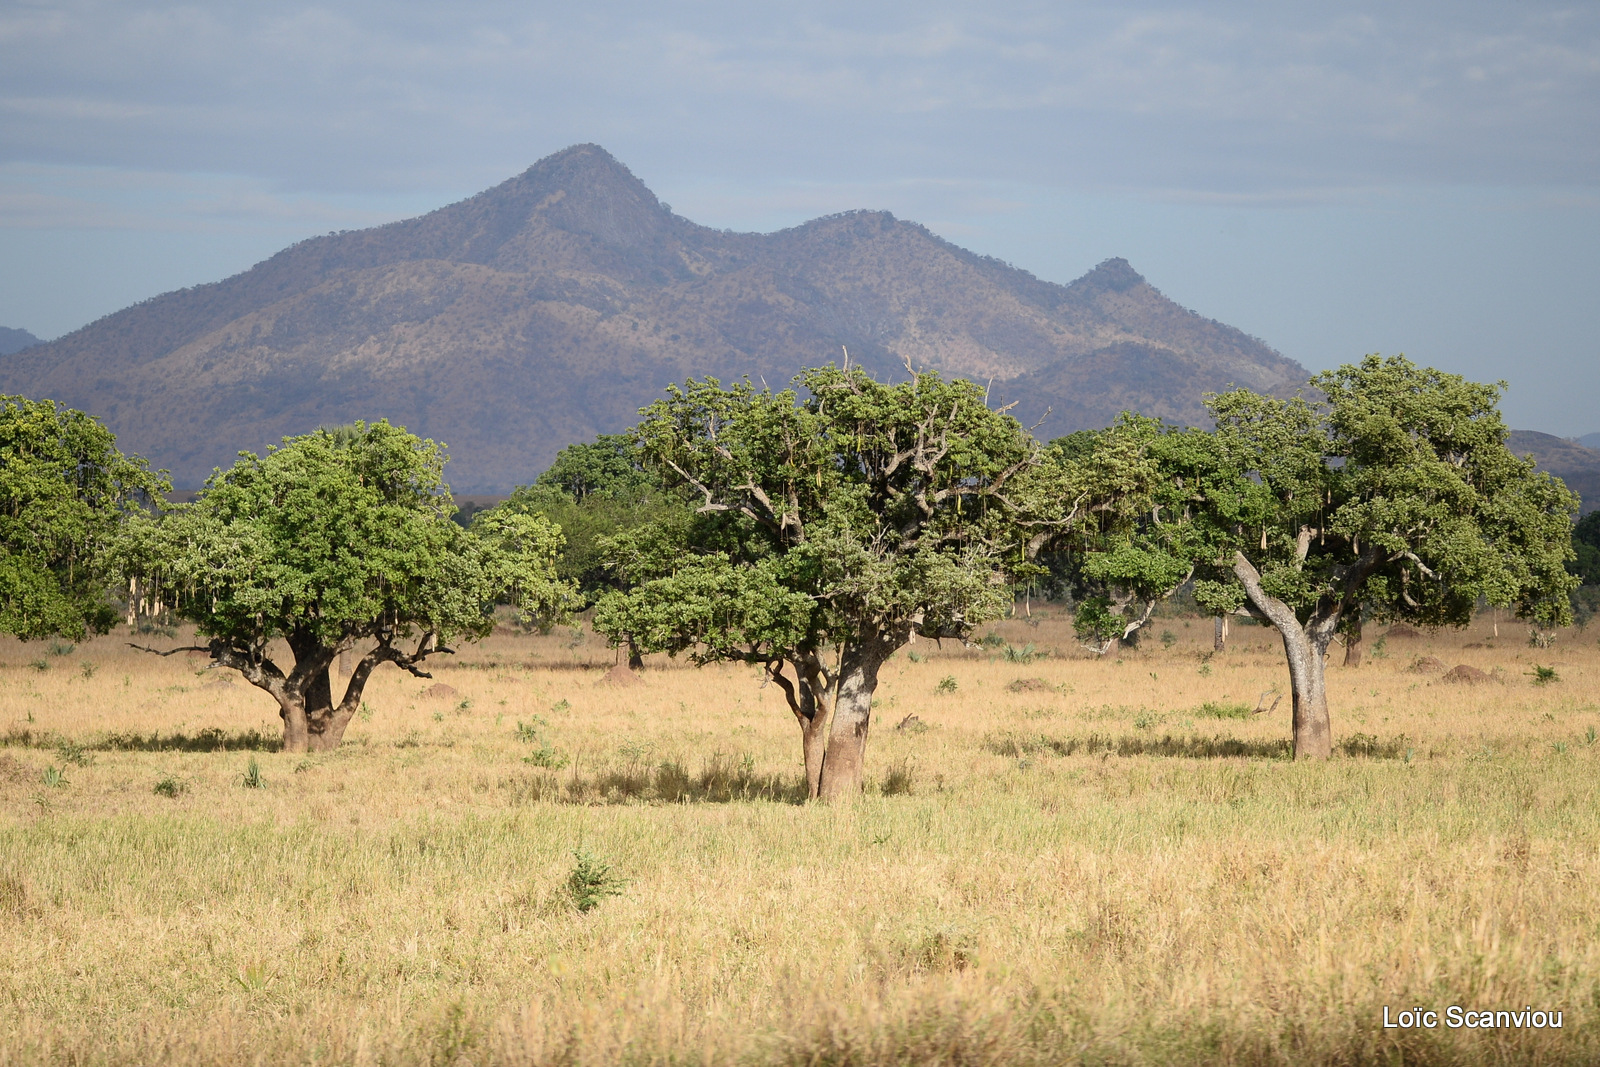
1590,440
12,340
554,305
1574,464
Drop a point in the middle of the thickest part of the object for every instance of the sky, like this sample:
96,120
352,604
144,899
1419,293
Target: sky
1334,179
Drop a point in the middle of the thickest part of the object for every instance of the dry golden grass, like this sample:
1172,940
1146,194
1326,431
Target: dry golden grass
1138,900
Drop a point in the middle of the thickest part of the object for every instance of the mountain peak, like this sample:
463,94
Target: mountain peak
14,340
1115,275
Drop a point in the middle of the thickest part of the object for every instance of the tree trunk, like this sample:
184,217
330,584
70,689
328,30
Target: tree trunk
635,658
844,761
328,732
1313,732
1352,646
810,698
292,709
1219,633
814,745
312,661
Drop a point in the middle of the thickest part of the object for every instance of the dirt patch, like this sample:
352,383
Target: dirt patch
13,769
1029,685
1426,665
1401,632
439,691
622,675
1461,674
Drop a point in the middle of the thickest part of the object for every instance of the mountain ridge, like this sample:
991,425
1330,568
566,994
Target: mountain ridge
553,305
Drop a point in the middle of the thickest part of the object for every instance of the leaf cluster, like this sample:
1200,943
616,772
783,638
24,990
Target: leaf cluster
65,493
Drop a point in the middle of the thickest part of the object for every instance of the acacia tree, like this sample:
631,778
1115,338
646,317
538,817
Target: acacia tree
827,534
65,493
1394,494
335,541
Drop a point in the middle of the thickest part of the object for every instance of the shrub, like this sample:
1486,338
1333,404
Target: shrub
897,779
252,776
590,882
947,684
171,787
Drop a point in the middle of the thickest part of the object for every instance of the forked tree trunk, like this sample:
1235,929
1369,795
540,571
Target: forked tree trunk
311,720
327,730
810,697
844,762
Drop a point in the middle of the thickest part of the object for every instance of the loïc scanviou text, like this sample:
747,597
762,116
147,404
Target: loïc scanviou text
1456,1017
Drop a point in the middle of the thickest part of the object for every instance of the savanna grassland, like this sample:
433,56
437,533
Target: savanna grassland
1059,860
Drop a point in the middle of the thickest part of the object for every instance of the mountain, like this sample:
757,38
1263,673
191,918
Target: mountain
1574,464
1590,440
552,306
13,340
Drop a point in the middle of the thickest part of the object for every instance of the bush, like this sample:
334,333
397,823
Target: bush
897,779
171,787
590,882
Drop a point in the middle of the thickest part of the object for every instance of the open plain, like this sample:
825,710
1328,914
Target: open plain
1059,860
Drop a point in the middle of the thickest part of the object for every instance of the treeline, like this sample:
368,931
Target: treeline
811,532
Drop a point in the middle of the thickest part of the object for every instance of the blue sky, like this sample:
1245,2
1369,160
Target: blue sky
1335,180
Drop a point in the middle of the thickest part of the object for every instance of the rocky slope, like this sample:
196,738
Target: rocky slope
554,305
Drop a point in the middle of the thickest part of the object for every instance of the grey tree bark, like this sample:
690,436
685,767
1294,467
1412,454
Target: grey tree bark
1306,647
844,762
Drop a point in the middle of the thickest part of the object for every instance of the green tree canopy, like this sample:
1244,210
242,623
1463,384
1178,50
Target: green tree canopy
827,534
1586,549
65,492
1396,491
1115,559
595,491
337,541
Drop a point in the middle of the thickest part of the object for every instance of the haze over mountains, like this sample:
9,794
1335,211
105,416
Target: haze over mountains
551,307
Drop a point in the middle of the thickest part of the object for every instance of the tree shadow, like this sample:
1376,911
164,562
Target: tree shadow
1356,746
721,781
212,739
1215,747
